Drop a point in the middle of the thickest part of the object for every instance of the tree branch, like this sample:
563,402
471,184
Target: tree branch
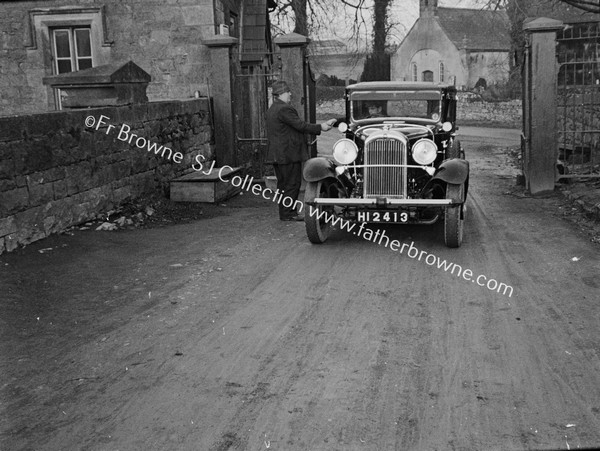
586,5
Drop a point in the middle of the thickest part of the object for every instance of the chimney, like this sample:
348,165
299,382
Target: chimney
428,8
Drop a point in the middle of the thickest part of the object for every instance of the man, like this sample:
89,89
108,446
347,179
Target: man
375,110
287,147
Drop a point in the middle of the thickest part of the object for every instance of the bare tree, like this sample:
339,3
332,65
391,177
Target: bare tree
314,17
377,63
380,25
592,6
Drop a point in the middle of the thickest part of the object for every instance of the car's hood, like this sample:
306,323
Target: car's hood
411,131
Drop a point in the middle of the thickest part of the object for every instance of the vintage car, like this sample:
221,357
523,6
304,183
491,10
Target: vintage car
398,162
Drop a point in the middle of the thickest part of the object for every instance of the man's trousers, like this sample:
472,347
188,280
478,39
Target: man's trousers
289,179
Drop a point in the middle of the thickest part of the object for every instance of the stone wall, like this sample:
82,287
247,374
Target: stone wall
507,114
56,172
472,112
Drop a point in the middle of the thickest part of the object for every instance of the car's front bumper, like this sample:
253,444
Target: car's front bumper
382,202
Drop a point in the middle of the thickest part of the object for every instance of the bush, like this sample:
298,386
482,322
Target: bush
501,92
332,80
323,80
377,67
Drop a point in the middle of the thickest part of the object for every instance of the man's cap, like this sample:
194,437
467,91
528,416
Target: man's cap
279,87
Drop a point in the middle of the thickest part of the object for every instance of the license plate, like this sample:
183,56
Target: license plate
382,216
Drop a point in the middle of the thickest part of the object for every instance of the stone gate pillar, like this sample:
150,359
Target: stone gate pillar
221,91
293,51
539,105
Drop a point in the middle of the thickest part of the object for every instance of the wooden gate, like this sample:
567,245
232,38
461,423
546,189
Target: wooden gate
310,104
251,99
250,104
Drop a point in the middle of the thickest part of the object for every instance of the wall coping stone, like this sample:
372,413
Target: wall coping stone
220,40
291,39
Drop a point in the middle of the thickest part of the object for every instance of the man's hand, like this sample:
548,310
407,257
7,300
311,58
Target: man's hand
326,126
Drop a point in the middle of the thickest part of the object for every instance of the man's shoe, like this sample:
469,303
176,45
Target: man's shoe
293,218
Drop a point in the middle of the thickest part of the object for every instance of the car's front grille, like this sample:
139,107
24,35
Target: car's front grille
385,181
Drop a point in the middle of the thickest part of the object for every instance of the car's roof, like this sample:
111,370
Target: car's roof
398,85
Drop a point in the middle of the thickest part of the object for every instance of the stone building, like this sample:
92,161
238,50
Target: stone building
467,47
166,39
189,60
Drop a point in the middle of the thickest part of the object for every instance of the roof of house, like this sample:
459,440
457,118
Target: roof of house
476,29
328,43
327,46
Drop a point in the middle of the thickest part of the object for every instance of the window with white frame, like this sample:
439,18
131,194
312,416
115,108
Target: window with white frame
415,73
442,74
67,39
71,49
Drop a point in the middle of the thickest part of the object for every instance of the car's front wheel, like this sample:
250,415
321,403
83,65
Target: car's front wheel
317,218
454,216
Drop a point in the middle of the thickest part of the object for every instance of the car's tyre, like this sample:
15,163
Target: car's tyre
454,216
317,219
454,150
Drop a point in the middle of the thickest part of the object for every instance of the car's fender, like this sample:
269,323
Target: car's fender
318,168
453,170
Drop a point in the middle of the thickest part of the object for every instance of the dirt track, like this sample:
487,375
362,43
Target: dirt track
234,333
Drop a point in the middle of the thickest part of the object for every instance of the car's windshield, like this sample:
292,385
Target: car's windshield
395,104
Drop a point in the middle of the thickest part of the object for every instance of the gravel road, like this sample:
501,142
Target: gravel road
235,333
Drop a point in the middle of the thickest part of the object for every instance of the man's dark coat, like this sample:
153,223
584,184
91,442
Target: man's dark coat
286,134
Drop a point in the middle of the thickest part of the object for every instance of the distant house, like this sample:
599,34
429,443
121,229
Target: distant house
331,57
327,47
468,47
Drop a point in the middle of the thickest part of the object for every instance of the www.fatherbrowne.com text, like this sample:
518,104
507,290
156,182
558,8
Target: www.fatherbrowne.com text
361,230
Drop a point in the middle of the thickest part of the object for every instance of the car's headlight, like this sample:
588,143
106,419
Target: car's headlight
345,151
424,151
